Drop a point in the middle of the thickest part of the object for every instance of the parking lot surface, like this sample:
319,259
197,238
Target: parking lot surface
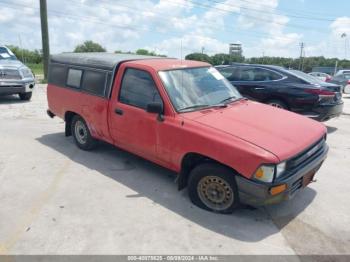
57,199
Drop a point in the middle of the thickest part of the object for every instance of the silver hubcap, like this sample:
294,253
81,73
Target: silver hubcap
276,105
215,193
80,132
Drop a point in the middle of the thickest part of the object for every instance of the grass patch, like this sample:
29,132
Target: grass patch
36,68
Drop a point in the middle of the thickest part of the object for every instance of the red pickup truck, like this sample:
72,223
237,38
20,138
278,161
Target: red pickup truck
185,116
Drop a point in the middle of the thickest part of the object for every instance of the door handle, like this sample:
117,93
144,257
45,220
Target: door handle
118,111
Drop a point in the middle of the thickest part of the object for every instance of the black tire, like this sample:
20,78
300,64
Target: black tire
277,103
199,188
25,96
81,134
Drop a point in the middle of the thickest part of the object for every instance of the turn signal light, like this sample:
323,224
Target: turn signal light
259,173
278,189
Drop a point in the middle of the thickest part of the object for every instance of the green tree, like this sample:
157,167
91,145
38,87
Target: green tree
144,52
123,52
27,56
217,59
221,59
89,46
199,57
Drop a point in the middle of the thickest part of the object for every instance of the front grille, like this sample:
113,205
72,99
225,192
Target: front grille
308,154
10,74
296,185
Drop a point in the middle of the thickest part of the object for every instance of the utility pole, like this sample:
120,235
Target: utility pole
336,67
20,45
302,45
202,50
344,35
263,57
44,35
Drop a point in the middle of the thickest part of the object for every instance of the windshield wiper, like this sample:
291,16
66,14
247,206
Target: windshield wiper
233,98
193,107
202,106
228,99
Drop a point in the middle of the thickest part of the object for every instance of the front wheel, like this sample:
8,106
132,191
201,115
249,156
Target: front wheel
25,96
213,187
81,134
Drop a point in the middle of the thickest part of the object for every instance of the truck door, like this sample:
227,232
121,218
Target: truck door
131,127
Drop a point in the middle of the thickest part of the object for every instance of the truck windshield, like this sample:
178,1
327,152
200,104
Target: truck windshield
196,88
6,54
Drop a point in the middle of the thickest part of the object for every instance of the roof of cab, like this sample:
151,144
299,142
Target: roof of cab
108,61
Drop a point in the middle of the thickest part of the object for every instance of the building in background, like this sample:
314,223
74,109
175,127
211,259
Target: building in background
235,49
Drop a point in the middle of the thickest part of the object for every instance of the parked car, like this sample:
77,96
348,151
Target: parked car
288,89
185,116
343,71
322,76
342,78
15,77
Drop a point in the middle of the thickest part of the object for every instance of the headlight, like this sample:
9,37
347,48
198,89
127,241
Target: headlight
265,173
26,73
280,168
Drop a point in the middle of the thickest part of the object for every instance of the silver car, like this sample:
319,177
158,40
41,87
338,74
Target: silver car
322,76
15,77
342,77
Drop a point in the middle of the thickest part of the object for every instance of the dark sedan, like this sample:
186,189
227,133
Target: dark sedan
289,89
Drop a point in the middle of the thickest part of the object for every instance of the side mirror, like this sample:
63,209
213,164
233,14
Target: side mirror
155,108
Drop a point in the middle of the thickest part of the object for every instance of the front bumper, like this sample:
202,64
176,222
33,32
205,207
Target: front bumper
257,194
325,112
16,87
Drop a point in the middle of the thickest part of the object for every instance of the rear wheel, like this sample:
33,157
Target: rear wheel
278,104
81,134
25,96
213,187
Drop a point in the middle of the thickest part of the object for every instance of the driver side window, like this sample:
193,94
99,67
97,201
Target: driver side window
138,89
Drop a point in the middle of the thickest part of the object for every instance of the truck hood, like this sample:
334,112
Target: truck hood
10,64
278,131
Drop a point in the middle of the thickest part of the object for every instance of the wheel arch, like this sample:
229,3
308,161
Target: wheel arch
68,117
275,97
191,160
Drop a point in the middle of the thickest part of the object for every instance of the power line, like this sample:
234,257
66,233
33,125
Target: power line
91,19
64,14
251,16
297,14
88,19
250,33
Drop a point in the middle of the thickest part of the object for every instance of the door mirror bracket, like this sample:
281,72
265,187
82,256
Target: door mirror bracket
156,108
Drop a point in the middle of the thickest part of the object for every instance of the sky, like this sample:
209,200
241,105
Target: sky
178,27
